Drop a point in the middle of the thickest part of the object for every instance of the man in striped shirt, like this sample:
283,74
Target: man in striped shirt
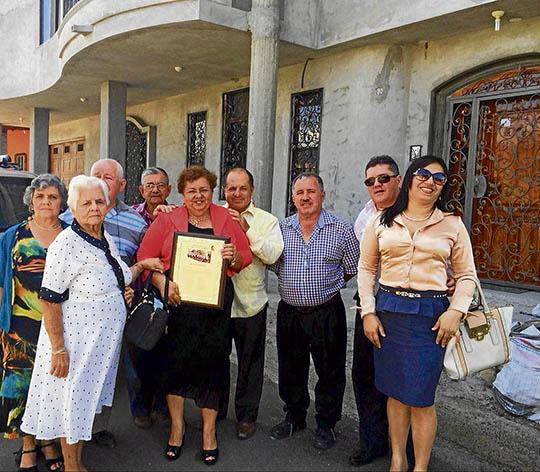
127,229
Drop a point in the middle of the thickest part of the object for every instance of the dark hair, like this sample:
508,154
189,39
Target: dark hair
191,173
305,175
383,160
240,169
388,215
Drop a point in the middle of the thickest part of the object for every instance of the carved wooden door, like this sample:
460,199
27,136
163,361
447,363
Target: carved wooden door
66,160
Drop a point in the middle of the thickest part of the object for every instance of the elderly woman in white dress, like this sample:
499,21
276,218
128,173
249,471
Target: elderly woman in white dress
84,313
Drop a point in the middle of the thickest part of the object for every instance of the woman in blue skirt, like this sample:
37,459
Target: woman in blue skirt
410,320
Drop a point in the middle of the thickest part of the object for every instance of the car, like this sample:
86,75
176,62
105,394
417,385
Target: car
13,182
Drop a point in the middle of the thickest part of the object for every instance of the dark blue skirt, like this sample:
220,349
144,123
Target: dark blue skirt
409,363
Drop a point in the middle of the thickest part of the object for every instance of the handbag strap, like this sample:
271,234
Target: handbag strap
166,292
483,300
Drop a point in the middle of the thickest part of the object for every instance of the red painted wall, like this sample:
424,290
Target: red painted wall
18,141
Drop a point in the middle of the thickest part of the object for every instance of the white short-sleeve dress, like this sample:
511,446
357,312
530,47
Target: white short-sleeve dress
78,274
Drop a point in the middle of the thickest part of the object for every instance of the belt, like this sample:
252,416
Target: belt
409,293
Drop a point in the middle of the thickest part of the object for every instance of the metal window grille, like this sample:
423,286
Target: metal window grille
196,143
235,131
306,113
136,161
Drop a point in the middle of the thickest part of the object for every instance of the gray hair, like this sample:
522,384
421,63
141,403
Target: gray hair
119,168
83,182
41,182
154,171
306,175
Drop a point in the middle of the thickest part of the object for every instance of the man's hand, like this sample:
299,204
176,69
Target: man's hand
163,209
236,216
450,284
373,328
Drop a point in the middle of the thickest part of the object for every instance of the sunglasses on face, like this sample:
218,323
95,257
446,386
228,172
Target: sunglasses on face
382,179
423,175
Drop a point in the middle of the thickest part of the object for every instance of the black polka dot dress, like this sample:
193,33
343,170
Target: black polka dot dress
80,277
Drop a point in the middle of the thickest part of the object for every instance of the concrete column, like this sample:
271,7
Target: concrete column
112,144
39,141
264,25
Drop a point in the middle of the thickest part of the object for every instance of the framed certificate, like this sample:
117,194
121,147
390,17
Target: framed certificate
198,268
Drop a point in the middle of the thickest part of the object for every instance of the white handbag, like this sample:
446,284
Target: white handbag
483,340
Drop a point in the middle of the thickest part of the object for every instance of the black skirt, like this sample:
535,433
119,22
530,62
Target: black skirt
193,355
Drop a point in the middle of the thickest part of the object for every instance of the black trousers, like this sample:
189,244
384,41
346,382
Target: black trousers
322,332
249,335
370,403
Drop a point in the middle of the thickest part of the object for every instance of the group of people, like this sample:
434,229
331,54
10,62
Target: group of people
68,277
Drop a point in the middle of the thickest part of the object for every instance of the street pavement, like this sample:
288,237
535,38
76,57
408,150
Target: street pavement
474,432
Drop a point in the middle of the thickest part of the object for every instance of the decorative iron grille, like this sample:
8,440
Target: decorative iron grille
196,144
69,4
235,132
136,152
306,112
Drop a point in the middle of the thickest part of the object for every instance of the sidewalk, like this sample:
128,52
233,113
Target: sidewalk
474,432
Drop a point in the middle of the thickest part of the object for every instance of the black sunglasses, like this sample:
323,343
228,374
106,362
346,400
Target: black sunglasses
382,179
424,174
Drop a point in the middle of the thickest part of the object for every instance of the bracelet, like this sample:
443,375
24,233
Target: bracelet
62,350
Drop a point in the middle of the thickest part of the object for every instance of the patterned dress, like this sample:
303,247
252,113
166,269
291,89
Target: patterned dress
18,346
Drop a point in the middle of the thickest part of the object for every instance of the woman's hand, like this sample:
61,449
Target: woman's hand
153,264
447,326
60,364
163,209
229,253
128,295
373,328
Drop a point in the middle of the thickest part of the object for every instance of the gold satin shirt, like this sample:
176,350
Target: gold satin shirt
418,262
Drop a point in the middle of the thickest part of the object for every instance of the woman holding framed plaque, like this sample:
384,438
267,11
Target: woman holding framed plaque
202,247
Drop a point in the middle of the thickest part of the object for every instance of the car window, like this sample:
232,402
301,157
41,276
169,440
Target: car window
12,208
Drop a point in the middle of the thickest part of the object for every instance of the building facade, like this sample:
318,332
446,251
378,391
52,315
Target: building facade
287,86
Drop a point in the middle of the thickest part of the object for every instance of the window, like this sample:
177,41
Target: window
49,14
196,142
69,4
306,110
235,131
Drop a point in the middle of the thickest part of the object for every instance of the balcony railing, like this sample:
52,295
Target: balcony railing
68,5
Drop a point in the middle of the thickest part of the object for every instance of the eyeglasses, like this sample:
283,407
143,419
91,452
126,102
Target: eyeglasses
382,179
152,185
423,175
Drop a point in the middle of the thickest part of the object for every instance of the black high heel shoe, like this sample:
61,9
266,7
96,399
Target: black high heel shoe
173,452
57,461
210,456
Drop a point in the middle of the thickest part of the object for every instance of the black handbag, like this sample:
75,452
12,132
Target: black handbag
147,320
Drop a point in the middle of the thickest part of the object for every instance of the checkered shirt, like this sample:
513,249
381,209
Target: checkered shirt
311,273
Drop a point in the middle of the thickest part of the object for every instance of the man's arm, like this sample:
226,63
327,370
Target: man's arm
266,241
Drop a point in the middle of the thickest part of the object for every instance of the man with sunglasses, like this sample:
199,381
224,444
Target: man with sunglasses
382,182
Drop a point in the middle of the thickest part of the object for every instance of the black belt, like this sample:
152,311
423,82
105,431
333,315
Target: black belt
410,293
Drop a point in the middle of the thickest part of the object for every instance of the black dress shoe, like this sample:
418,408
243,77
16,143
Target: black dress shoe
245,429
325,438
286,429
104,439
363,457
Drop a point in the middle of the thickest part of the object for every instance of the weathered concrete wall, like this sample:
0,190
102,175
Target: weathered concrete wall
376,101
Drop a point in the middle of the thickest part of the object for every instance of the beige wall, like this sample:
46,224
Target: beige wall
376,101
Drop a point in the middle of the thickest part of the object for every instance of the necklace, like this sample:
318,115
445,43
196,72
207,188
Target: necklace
197,221
52,228
410,218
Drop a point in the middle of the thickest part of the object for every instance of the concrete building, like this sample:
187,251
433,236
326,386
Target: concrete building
287,85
